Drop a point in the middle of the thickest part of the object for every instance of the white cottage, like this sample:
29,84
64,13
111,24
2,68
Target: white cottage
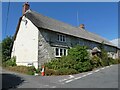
39,38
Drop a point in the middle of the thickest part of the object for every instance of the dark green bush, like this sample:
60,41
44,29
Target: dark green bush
50,72
83,66
111,61
65,71
79,53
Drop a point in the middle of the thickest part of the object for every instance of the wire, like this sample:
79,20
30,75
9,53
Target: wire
7,18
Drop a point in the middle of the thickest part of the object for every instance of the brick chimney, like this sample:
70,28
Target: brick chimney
82,26
26,6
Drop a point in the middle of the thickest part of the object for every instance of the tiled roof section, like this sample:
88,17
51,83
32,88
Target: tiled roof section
57,26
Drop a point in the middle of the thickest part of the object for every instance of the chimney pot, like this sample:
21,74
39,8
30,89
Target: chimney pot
26,6
82,26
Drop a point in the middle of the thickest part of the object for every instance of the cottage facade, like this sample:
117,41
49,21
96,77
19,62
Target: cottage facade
39,38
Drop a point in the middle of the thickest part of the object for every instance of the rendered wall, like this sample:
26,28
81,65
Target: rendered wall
25,46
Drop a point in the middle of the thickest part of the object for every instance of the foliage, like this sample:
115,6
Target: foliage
31,70
66,71
11,62
76,61
83,66
6,48
79,53
62,71
22,69
63,62
50,72
96,61
104,57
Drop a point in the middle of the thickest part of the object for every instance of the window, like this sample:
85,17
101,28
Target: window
61,38
65,53
60,52
57,51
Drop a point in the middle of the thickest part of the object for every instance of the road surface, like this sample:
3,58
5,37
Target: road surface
106,77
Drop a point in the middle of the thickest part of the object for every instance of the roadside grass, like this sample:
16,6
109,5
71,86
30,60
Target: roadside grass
22,69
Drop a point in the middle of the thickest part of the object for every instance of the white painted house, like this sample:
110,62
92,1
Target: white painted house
39,38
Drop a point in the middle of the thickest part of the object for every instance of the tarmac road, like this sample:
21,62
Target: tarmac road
106,77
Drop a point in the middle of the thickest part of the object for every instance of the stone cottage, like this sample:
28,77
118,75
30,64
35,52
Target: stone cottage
39,38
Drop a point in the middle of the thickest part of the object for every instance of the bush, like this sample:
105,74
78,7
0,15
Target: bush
79,53
83,66
31,70
96,61
116,61
50,72
65,71
11,62
63,62
76,61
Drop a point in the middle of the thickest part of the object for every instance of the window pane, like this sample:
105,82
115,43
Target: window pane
65,52
63,38
61,52
58,37
57,51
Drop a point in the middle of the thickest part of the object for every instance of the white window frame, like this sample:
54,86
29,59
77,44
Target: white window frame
63,54
60,38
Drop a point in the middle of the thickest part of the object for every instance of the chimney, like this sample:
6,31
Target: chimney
82,26
26,6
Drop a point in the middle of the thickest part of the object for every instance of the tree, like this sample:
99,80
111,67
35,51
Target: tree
7,48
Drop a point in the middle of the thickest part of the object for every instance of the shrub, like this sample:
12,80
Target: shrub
31,70
79,53
63,62
65,71
116,61
11,62
111,61
96,61
76,61
83,66
49,72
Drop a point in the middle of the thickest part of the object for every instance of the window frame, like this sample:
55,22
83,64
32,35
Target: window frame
61,38
60,53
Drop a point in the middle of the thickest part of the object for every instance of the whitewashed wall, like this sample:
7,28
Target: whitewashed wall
25,46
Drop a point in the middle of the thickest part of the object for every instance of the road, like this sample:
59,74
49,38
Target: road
106,77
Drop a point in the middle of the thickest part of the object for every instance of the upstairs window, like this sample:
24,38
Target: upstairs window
61,38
